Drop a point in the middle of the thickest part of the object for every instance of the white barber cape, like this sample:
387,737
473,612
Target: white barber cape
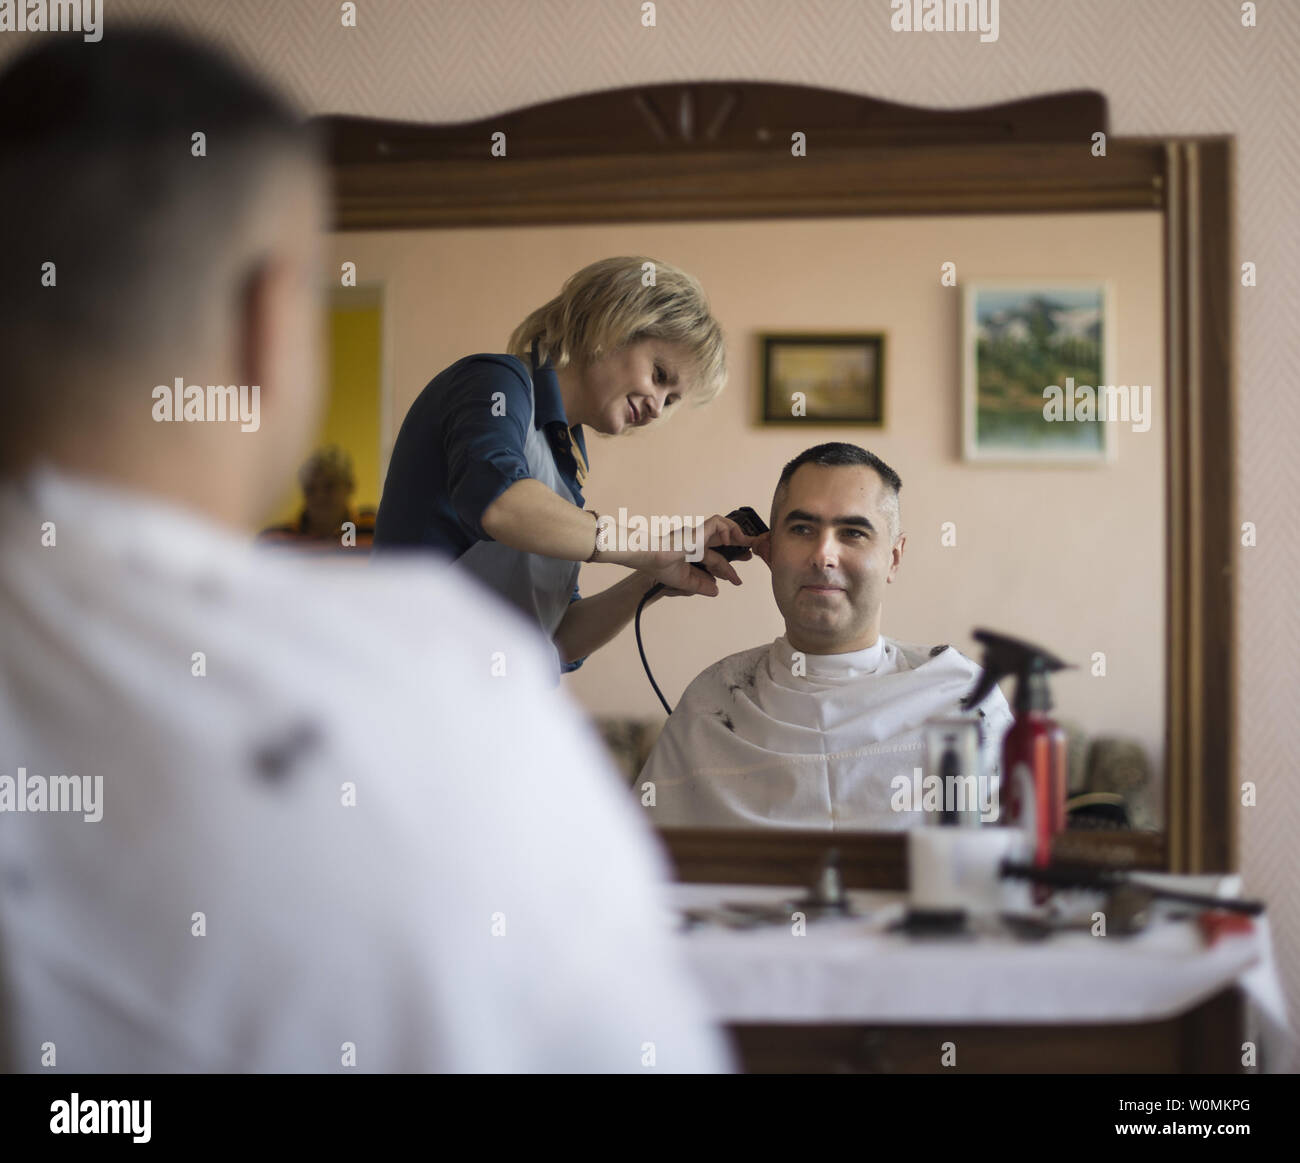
334,836
752,743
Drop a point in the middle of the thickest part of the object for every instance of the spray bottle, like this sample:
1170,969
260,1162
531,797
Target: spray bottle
1034,773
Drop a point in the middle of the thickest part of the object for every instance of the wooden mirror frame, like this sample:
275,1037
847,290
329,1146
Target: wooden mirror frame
722,150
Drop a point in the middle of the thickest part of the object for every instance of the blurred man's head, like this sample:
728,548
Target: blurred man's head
162,211
328,483
835,545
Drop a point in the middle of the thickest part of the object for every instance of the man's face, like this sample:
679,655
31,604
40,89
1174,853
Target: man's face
284,331
326,496
300,354
832,556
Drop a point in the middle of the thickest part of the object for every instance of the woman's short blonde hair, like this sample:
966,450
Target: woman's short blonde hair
620,301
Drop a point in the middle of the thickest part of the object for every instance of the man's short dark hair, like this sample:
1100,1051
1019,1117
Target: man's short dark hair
98,175
837,454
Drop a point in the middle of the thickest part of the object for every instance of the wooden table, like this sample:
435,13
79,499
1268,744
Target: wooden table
1205,1040
852,996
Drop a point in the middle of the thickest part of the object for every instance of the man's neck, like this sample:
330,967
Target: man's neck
831,646
182,476
327,527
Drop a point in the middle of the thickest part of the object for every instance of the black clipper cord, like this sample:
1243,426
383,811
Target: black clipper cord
650,593
750,524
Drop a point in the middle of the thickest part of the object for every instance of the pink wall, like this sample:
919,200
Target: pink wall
1070,556
1166,67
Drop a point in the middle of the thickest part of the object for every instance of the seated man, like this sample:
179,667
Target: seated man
812,730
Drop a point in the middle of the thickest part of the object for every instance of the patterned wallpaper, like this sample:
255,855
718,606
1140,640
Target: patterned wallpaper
1167,67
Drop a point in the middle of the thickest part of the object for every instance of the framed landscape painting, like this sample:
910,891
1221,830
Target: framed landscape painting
824,379
1030,352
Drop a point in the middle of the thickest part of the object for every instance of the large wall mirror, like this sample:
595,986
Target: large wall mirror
1117,561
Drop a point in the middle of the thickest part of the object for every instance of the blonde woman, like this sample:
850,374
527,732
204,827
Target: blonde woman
490,461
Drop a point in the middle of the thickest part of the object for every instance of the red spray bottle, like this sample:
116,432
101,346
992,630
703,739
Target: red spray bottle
1034,777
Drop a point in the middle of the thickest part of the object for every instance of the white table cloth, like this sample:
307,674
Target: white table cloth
853,970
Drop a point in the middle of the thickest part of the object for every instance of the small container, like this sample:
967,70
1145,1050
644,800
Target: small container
957,868
954,779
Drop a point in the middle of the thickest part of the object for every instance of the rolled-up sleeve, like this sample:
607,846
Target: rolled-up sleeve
487,415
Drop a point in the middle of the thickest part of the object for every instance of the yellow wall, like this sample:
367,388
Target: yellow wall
354,407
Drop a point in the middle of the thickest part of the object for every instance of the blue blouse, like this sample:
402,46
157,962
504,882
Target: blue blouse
461,446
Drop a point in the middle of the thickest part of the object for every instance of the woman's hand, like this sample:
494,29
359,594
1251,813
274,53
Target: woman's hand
678,575
760,546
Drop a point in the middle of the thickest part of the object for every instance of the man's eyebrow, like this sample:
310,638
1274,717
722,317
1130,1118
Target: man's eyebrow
813,519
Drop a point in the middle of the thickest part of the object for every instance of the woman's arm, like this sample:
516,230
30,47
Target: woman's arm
591,622
533,518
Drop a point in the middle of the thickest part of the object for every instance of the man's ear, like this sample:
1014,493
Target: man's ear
258,307
762,547
896,557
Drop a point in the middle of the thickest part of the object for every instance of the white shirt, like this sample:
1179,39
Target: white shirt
491,902
765,739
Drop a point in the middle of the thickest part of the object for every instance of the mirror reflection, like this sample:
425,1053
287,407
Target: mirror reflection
963,466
